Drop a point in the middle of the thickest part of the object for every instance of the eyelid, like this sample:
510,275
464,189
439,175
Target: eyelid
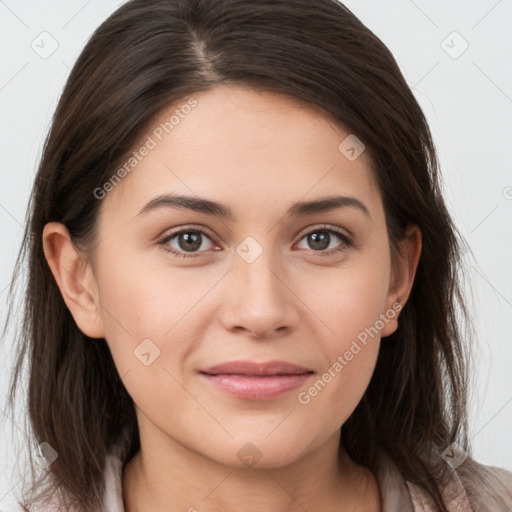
327,227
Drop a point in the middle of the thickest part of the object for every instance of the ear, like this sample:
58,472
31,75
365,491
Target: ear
403,272
74,278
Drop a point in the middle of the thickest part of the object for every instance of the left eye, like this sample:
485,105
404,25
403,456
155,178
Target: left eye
190,241
321,238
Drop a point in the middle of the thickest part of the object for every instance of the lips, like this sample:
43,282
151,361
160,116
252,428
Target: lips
252,368
249,380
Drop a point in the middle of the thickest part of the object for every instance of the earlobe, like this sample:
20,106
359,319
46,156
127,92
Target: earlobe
402,276
75,279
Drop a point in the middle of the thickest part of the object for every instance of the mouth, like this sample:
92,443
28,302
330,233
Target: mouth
248,380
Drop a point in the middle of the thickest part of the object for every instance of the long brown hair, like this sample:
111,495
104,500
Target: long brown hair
151,54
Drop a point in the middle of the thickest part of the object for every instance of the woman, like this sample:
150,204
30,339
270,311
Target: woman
243,278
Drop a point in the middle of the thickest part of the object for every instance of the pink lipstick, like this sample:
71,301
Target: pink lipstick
250,380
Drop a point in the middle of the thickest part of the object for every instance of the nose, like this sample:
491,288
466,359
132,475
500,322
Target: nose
260,301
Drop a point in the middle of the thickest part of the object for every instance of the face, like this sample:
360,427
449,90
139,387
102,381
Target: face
183,290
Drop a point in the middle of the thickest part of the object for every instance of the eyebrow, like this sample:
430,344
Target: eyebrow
299,209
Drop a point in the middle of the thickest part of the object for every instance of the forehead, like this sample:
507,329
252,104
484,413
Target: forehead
246,147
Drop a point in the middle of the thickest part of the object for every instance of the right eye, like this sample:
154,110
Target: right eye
187,242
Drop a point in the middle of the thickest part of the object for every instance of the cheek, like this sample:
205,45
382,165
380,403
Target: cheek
145,298
146,315
155,309
333,396
350,304
348,299
351,355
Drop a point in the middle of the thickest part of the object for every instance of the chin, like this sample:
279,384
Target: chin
262,453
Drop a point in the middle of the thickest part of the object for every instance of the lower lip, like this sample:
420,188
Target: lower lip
257,388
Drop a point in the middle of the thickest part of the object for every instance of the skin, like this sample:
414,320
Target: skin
258,153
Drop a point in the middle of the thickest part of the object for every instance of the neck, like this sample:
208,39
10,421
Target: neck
170,478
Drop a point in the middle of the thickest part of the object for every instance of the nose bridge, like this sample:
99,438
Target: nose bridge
254,269
261,302
259,275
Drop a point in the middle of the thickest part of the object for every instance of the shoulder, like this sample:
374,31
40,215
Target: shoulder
488,488
473,487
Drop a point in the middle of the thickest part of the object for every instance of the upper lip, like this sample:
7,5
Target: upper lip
257,368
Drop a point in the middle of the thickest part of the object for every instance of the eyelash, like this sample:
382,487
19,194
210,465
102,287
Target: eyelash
347,241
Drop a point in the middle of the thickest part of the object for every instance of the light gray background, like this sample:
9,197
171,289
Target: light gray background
467,99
